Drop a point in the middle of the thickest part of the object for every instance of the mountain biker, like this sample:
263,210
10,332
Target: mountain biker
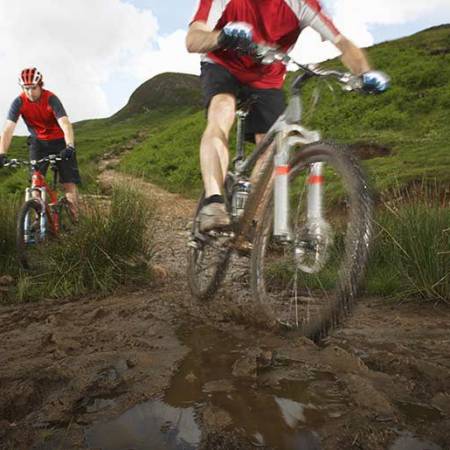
223,31
50,129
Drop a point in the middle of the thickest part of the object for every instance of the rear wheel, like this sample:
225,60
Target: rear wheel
309,283
208,258
29,237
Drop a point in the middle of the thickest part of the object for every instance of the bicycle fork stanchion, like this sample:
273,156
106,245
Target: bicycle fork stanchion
315,192
26,224
43,215
281,229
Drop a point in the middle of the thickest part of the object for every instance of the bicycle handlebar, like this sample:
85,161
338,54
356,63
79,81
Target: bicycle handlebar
267,55
22,162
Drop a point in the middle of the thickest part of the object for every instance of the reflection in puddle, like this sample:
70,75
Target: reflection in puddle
280,415
152,425
408,442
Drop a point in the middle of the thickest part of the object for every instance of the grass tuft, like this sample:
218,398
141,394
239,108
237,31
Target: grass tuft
111,246
412,251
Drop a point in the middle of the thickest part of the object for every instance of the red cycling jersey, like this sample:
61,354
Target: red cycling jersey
41,117
275,22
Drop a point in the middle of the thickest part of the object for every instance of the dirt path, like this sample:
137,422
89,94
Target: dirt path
154,370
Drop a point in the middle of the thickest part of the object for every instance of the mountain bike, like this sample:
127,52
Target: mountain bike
44,214
309,238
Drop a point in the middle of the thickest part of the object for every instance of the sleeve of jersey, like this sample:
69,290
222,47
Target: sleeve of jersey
312,15
56,105
203,10
14,110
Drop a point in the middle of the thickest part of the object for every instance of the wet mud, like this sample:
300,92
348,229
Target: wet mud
153,369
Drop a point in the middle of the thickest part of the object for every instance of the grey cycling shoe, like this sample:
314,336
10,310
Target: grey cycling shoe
213,217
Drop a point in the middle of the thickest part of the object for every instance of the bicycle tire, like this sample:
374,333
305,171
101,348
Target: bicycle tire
309,305
203,283
31,211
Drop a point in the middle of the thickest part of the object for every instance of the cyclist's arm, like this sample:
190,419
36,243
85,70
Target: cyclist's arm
67,128
352,56
311,14
63,120
10,126
7,135
200,38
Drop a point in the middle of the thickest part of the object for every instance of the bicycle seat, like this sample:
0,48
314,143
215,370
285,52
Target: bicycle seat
244,106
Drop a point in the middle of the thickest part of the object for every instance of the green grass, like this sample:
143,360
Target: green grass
111,246
170,157
8,212
411,255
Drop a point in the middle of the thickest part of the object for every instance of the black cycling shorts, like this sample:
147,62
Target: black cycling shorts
68,169
267,106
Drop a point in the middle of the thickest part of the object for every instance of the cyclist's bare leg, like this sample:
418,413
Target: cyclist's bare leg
214,154
71,192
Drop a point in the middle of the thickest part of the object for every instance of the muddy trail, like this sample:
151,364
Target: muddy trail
153,369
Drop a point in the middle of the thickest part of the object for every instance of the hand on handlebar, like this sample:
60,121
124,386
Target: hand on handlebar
375,82
67,153
3,160
236,36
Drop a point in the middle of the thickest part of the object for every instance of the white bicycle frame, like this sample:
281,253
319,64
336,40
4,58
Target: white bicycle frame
288,134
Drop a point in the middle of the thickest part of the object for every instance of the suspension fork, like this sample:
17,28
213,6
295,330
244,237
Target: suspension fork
314,199
286,142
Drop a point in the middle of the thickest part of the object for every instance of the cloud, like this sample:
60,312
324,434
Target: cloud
355,19
76,45
169,56
386,12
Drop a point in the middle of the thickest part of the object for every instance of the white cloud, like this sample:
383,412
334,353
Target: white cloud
355,18
386,12
76,45
170,56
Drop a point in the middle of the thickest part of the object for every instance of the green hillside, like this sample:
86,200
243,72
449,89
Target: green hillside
163,122
411,122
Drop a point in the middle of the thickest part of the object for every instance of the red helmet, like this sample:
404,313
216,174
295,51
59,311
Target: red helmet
30,76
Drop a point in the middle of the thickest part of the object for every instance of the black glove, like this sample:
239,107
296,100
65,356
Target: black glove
68,152
236,35
3,159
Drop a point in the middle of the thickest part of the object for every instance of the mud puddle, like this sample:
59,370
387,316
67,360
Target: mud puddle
220,386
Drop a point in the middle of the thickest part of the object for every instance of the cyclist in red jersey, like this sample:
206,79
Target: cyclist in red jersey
50,129
221,31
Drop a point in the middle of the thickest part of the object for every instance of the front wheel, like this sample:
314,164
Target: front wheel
308,283
29,234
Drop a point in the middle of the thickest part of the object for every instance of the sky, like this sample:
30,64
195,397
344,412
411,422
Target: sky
94,53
